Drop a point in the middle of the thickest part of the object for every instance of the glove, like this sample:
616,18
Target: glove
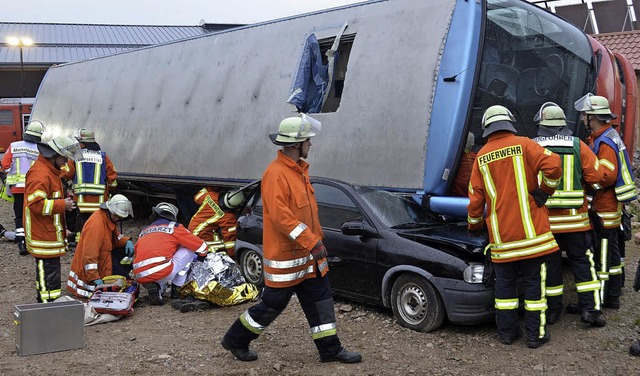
97,282
128,248
319,251
539,197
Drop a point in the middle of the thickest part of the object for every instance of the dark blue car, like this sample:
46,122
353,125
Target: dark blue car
386,250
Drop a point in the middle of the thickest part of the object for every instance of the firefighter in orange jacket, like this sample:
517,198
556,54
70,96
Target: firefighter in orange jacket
215,220
569,218
294,256
101,248
164,252
92,177
44,210
616,188
505,177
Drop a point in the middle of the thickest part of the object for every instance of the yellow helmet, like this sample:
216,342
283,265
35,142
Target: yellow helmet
497,118
550,115
292,130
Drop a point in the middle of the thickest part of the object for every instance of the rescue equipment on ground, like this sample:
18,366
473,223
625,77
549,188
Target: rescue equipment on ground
116,296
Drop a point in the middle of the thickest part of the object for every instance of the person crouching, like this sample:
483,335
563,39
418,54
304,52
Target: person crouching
164,252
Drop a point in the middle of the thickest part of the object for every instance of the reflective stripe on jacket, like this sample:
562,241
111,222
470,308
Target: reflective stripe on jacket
625,187
569,193
291,224
20,156
92,179
503,176
44,209
92,258
213,225
156,246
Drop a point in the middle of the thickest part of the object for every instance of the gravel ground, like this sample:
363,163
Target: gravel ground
159,340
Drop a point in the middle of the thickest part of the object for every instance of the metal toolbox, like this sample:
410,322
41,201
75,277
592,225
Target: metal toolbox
48,327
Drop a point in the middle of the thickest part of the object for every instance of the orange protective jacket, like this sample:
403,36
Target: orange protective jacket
504,175
576,220
291,224
156,246
92,259
605,202
213,225
90,203
44,210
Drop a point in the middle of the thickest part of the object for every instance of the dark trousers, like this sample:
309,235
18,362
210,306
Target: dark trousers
18,202
316,301
577,246
533,273
609,263
48,279
116,268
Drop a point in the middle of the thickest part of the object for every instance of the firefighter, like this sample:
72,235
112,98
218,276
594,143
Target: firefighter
93,178
102,247
616,188
44,210
16,162
294,255
505,178
164,252
215,221
569,218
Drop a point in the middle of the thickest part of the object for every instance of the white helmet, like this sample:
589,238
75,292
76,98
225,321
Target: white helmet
293,130
118,205
232,199
497,118
34,128
85,135
166,211
61,145
595,105
550,115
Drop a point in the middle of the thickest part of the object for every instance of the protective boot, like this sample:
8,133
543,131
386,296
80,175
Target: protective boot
22,245
175,292
344,356
2,230
593,318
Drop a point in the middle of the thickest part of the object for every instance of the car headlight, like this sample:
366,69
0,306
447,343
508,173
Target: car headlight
473,273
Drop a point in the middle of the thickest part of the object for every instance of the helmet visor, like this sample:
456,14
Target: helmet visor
71,151
584,103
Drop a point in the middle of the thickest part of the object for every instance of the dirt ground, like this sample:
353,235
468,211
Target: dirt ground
160,340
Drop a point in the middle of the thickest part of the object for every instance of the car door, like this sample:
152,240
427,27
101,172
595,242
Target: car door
352,259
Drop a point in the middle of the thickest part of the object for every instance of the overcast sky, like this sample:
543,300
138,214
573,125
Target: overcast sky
158,12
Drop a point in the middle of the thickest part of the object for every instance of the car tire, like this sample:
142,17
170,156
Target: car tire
416,303
250,262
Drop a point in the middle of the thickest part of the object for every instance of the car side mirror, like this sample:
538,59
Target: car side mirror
358,228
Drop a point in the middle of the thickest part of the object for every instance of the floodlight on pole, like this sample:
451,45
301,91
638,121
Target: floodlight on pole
21,42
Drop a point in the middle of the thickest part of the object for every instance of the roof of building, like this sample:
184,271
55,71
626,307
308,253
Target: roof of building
627,43
61,43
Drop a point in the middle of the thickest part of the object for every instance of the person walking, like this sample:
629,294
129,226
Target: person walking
295,259
616,188
44,209
102,247
16,162
569,218
505,178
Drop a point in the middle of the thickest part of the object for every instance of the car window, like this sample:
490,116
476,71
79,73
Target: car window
335,207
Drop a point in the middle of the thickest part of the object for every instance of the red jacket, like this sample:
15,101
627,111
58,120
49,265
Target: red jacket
92,259
504,175
605,202
44,210
213,225
291,224
156,246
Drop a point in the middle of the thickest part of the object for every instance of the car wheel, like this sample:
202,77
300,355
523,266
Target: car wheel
251,266
416,303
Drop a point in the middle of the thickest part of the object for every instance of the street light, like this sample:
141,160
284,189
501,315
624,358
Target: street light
21,42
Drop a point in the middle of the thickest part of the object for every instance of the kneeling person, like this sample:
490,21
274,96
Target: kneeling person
164,252
101,247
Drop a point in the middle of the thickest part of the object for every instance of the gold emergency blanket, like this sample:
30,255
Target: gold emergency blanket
218,280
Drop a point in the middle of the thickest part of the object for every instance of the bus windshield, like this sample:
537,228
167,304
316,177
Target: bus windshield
530,57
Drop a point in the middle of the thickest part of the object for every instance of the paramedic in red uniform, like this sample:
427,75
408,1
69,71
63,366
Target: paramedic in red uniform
164,252
294,256
505,178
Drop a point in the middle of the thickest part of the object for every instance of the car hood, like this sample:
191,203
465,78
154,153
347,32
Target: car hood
452,237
